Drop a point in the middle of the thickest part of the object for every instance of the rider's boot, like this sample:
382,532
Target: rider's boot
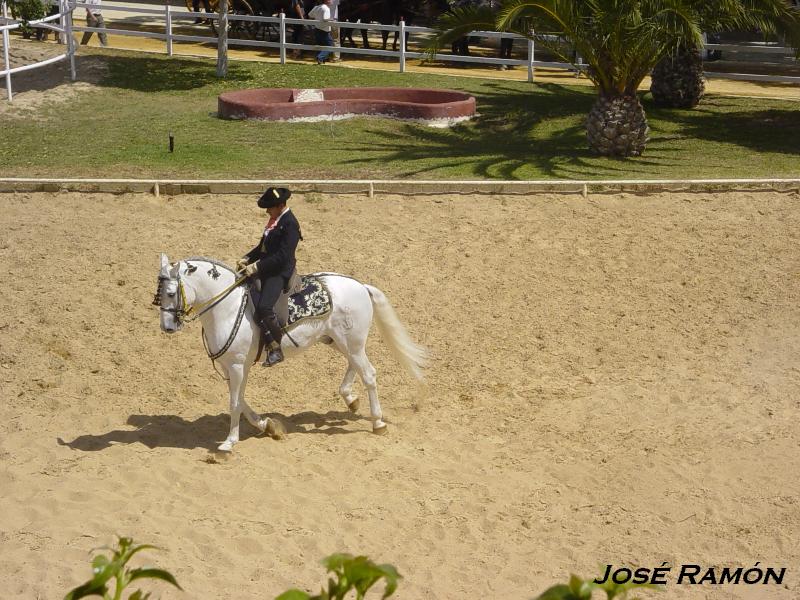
275,354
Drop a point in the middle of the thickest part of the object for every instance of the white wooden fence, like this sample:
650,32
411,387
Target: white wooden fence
169,14
62,24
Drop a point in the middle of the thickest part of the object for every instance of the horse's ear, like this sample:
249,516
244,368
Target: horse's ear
164,264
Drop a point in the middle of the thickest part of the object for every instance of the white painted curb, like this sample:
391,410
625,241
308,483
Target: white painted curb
392,186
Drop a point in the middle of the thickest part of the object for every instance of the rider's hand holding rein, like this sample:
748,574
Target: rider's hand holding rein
250,270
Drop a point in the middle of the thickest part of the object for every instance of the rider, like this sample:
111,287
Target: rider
274,262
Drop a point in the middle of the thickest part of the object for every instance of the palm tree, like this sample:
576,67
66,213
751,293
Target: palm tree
678,81
620,41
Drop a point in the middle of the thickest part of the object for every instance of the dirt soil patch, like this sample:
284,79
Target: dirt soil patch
614,380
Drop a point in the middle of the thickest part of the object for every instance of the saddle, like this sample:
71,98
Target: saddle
293,286
305,296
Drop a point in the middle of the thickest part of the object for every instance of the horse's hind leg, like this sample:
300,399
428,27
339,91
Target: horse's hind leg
346,389
368,375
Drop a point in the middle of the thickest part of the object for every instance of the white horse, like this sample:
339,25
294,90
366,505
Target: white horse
210,290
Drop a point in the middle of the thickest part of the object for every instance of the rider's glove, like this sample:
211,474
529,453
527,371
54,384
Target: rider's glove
251,269
241,264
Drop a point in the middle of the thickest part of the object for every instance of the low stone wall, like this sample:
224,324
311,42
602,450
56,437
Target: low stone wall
281,104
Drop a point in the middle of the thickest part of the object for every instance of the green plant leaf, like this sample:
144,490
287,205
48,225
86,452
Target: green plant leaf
392,576
558,592
154,574
293,595
87,589
336,562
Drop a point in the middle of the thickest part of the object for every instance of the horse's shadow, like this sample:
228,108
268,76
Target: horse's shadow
173,431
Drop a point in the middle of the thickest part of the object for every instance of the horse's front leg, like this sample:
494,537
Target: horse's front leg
272,427
235,388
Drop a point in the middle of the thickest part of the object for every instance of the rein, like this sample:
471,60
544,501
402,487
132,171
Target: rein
188,314
234,331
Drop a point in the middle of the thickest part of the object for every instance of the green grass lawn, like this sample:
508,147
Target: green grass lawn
524,131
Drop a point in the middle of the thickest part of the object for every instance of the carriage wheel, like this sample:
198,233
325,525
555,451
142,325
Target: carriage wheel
243,30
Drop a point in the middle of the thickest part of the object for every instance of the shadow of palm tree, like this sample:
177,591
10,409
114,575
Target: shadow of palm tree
723,120
516,130
208,431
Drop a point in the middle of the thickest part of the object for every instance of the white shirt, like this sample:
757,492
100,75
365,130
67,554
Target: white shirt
270,226
95,8
321,12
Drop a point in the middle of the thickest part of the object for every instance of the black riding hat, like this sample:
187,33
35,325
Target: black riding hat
274,197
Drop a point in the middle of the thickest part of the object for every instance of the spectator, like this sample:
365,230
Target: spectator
297,11
506,44
43,34
94,18
322,28
335,33
460,46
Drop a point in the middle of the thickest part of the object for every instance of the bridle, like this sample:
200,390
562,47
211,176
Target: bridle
182,312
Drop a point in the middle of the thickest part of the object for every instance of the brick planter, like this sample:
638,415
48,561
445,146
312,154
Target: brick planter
280,104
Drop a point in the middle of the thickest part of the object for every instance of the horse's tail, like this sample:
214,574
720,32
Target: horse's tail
411,356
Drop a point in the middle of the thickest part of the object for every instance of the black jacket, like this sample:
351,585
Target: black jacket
275,254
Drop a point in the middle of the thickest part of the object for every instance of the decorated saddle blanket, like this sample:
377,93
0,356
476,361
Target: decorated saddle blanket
307,298
313,300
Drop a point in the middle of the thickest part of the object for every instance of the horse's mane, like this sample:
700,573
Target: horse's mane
213,261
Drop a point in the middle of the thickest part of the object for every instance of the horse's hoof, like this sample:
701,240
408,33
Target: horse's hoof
226,446
262,425
353,406
379,428
275,429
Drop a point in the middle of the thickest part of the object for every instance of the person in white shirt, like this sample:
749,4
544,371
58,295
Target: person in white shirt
335,33
94,18
322,29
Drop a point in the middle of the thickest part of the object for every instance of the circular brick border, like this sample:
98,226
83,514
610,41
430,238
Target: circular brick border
278,104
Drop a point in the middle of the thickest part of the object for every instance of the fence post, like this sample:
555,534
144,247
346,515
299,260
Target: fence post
222,39
70,41
282,37
168,10
530,60
7,62
402,35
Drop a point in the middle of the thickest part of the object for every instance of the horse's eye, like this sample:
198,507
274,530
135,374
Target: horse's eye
171,294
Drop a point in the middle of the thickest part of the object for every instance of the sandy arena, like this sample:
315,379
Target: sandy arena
615,380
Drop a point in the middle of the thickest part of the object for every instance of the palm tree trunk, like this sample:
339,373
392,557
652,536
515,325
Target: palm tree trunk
617,126
678,81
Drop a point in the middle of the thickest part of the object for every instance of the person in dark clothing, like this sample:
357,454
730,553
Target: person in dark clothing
273,262
297,11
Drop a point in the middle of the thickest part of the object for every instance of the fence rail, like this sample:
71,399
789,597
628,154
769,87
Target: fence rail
281,22
63,25
60,23
371,187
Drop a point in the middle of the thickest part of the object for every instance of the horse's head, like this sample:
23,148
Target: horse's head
170,296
